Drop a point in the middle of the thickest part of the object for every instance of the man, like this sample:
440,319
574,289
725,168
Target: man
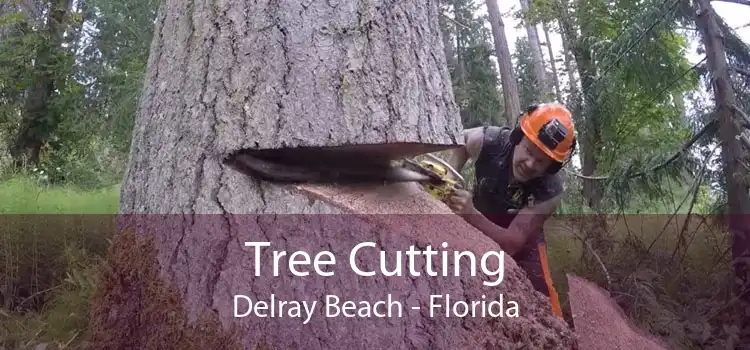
517,185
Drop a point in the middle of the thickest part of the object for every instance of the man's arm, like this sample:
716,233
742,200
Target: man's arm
527,223
472,146
530,220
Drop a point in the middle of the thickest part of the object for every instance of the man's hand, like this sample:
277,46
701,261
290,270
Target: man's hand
460,202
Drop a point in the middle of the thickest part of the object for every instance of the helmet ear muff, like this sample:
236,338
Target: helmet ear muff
556,166
516,135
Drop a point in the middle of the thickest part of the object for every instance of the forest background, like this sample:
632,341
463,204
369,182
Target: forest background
635,73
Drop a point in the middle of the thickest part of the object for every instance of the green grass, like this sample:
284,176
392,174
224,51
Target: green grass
21,195
50,259
670,286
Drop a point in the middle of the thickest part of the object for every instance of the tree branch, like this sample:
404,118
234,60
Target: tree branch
741,71
671,159
745,119
454,21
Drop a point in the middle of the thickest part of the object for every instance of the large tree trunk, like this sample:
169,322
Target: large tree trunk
508,80
536,56
733,155
229,76
281,79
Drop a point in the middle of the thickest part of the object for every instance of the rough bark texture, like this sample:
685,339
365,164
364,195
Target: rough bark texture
135,308
511,99
230,76
733,155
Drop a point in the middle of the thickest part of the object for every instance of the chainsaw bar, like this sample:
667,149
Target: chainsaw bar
323,169
412,165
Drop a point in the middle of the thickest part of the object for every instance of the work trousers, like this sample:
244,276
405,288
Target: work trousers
533,260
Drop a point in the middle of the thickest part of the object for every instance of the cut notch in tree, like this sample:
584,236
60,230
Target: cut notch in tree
346,164
230,77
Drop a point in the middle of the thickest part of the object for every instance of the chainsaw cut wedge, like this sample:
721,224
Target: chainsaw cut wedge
325,166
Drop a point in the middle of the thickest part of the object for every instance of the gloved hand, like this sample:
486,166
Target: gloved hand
461,202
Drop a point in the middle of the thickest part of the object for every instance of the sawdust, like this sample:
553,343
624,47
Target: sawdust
601,324
432,222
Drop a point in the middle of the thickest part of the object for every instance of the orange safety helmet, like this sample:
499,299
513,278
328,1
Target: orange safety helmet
550,127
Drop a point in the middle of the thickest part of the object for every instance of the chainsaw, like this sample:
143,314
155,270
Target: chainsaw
441,185
336,165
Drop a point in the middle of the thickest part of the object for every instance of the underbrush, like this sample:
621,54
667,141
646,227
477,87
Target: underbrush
672,278
51,241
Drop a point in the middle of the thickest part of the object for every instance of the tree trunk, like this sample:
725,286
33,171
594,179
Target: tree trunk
447,42
570,69
460,70
590,136
594,228
510,85
733,155
38,119
233,76
536,56
555,80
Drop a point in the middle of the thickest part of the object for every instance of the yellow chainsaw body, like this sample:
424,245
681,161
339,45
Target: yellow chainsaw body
444,190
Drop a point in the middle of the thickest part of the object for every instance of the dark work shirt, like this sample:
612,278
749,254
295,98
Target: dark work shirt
494,195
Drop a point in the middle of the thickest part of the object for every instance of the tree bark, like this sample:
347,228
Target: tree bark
232,76
733,155
508,80
368,75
